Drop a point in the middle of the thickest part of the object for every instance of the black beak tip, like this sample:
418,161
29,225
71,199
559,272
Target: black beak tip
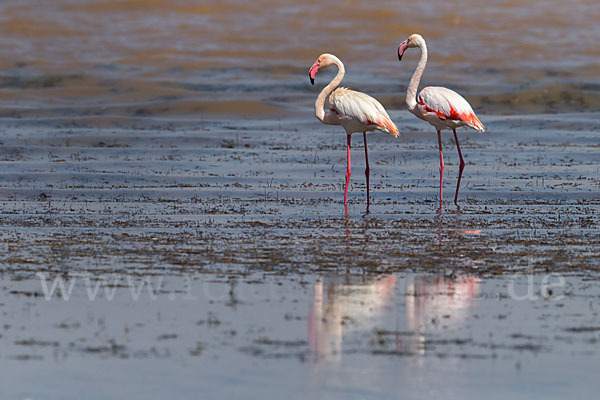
312,81
399,57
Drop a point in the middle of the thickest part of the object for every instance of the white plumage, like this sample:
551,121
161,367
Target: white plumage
358,112
441,107
354,111
446,109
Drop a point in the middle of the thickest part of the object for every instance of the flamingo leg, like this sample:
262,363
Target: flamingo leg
367,169
461,168
439,133
347,223
347,172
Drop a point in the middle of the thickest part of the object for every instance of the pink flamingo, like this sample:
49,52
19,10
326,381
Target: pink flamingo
354,111
441,107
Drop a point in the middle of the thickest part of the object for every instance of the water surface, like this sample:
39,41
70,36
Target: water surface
98,62
167,151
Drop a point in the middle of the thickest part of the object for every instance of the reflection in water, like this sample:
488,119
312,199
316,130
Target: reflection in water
343,305
347,226
432,302
347,304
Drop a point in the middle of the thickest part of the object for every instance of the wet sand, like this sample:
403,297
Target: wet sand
531,182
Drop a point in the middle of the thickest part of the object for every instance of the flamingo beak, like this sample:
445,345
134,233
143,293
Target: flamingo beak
313,71
401,49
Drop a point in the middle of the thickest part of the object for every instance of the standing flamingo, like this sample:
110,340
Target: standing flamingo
354,111
441,107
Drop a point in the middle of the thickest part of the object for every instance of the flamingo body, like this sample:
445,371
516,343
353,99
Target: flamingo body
441,107
354,111
359,112
445,109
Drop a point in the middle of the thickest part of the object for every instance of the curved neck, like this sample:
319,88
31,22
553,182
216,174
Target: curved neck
413,86
320,103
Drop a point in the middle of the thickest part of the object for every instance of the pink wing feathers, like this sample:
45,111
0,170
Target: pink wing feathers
364,108
447,104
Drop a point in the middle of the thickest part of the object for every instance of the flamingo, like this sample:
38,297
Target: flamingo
354,111
441,107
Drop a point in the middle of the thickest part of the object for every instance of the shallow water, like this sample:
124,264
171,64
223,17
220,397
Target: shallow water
397,335
170,150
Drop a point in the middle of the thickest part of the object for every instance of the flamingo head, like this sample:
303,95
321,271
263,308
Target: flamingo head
412,41
324,61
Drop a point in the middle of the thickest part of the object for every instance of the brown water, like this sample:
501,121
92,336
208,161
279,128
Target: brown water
107,62
128,160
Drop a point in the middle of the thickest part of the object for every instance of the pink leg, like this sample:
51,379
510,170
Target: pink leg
347,173
460,170
367,170
441,167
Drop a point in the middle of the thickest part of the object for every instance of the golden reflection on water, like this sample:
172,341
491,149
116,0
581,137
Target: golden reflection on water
499,32
136,52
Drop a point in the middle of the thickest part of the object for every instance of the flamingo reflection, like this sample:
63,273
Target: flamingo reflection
344,305
433,303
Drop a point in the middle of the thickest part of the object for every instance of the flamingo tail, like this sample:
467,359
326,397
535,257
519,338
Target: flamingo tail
474,122
388,126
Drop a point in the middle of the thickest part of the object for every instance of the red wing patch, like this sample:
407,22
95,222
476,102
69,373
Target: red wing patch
469,118
453,114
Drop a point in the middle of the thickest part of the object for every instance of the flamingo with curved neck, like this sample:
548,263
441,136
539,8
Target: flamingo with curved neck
354,111
441,107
